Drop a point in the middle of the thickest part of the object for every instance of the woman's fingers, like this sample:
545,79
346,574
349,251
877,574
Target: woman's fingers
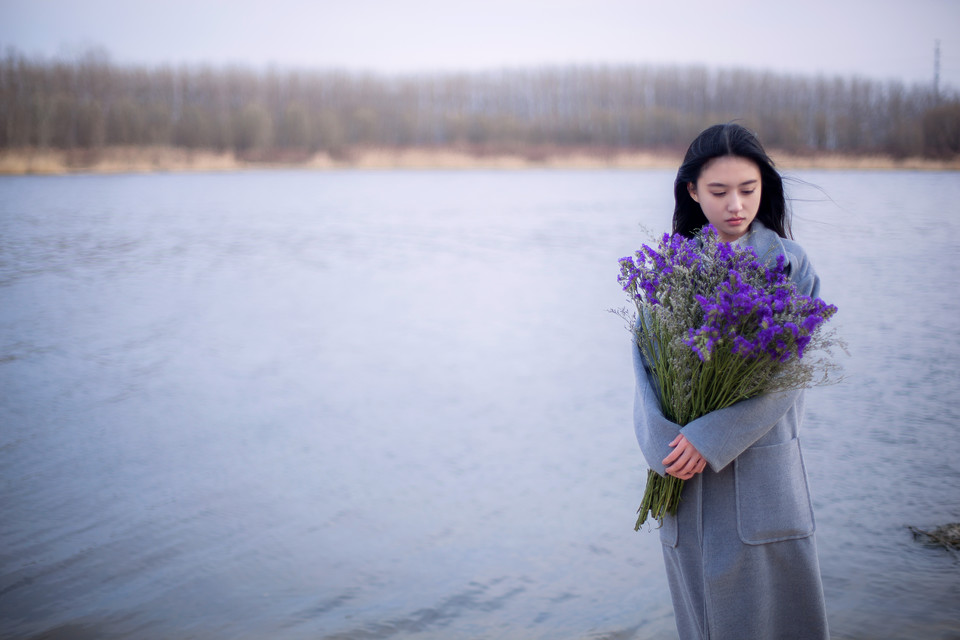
684,461
685,465
673,457
681,451
677,451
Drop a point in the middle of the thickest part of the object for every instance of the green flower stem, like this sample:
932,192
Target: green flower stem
661,496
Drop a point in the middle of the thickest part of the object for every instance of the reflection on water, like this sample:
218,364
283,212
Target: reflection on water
373,405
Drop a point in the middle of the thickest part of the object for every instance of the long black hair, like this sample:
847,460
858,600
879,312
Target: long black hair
728,140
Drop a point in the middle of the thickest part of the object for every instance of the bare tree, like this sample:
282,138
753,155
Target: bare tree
88,102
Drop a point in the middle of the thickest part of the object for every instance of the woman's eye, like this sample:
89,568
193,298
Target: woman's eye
746,193
719,194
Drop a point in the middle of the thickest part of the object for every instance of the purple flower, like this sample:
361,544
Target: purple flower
751,309
810,323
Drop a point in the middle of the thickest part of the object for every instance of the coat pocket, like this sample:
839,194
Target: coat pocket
773,499
668,531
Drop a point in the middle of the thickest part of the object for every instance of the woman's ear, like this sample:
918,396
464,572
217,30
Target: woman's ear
692,190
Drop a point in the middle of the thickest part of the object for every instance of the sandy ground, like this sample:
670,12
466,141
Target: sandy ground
159,159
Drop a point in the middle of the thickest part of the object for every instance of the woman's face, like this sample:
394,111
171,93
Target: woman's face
728,192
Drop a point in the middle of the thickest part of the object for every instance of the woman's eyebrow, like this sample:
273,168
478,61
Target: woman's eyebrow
722,184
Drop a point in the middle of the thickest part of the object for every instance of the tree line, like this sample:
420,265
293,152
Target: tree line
90,102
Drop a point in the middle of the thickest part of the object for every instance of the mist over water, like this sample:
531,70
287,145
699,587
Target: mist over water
385,404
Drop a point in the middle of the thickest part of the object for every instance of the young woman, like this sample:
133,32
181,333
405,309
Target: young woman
740,554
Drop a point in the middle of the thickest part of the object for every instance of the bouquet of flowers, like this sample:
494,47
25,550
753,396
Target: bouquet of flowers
716,325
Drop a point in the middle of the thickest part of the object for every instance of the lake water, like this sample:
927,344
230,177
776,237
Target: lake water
382,405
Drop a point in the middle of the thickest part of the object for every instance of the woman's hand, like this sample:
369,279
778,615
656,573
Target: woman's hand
684,461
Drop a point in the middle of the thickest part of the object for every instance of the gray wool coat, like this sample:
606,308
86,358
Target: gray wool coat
740,554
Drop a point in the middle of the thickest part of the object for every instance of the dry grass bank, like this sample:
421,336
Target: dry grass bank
834,161
168,159
113,160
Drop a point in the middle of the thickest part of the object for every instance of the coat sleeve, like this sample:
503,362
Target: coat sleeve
802,273
654,431
722,435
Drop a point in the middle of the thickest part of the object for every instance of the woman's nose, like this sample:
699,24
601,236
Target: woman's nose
734,205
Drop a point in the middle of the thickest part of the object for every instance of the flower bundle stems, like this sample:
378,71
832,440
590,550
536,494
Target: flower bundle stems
660,497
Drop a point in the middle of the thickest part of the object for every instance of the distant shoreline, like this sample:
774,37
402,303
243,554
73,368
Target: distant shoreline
115,160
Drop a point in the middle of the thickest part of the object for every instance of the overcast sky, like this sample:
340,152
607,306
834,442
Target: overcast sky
881,39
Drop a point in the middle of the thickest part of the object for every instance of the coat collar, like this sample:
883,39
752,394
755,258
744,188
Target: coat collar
764,241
